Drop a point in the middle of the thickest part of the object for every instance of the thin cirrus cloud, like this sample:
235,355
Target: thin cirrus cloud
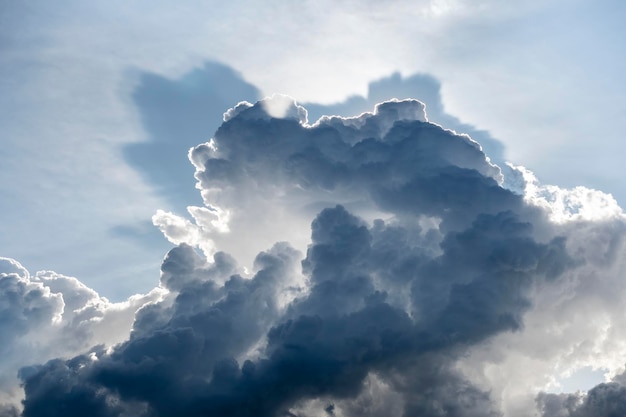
394,275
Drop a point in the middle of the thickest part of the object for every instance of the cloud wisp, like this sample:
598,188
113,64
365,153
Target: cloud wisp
374,265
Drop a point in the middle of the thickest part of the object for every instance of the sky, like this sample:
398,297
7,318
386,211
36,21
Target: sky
459,253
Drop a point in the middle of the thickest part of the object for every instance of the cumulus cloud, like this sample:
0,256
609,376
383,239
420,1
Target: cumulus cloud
377,265
48,315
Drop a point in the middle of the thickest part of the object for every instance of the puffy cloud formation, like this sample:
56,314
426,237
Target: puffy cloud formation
49,315
365,266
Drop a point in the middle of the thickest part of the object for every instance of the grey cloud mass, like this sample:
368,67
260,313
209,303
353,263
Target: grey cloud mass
414,258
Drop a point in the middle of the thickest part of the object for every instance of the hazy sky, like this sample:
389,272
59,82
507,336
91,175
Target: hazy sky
101,101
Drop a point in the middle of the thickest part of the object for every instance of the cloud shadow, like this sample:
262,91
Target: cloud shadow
179,114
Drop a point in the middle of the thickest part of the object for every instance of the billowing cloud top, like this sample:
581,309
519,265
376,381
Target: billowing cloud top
365,266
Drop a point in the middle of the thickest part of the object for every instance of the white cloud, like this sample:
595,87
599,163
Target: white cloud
49,315
565,205
576,321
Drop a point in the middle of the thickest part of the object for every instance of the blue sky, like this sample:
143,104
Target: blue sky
101,102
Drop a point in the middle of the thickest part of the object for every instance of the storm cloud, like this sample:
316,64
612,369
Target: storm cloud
367,266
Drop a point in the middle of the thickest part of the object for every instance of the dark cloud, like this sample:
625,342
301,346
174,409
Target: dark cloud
391,156
376,310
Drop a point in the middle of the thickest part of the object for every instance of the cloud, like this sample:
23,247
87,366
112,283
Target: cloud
364,266
424,86
283,167
50,315
576,321
604,400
